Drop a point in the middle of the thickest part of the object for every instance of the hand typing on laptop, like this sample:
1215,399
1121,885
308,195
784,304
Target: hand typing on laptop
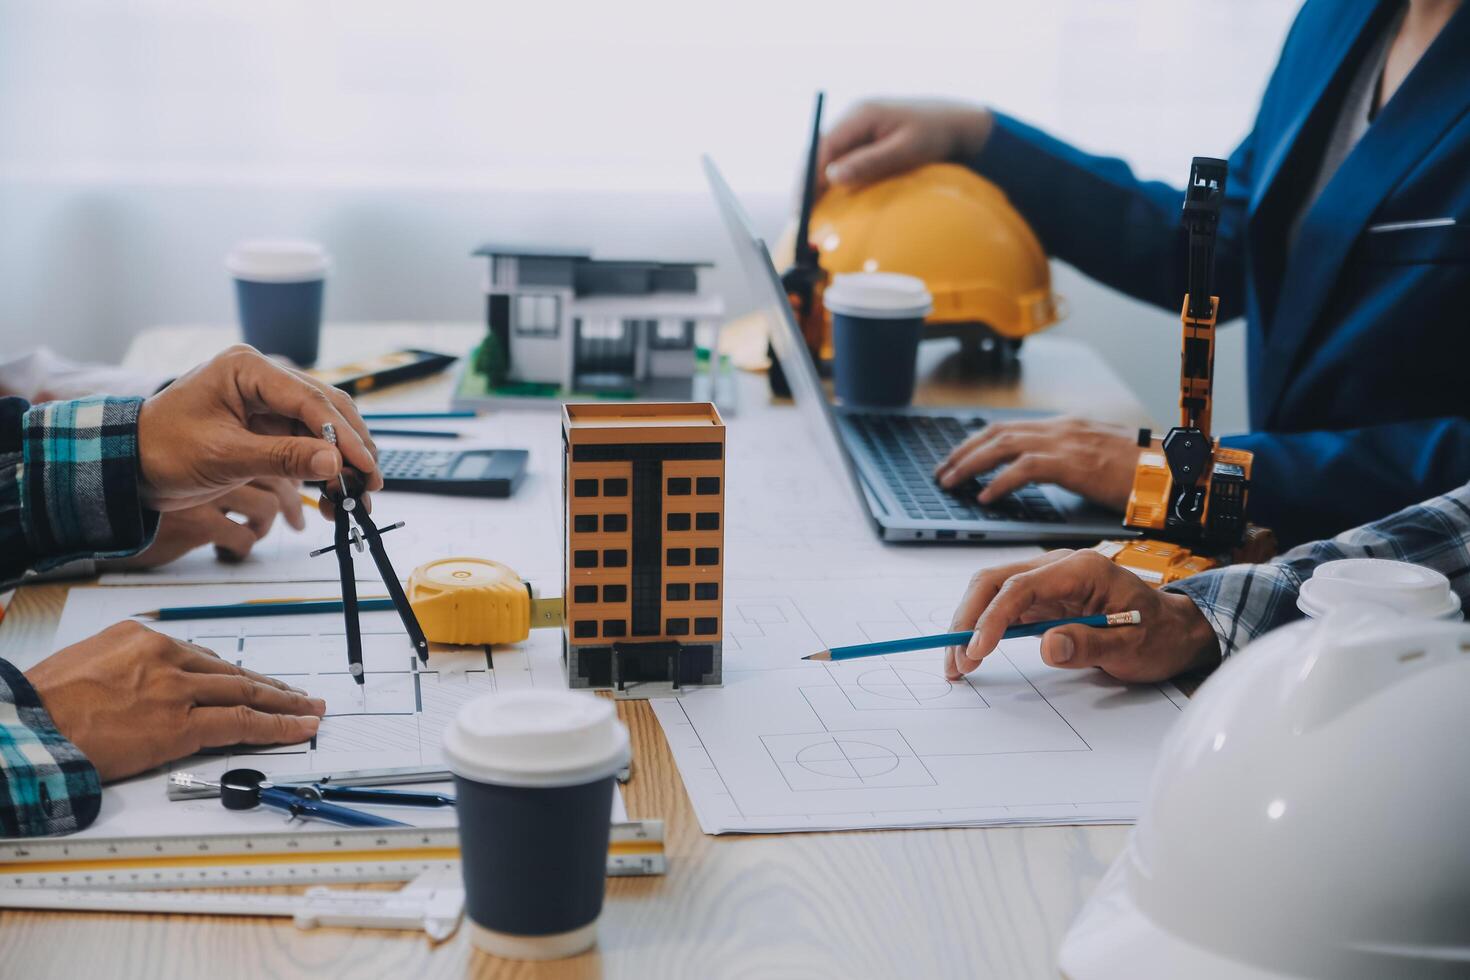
1094,459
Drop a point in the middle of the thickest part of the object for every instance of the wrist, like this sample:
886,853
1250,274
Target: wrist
971,132
1198,644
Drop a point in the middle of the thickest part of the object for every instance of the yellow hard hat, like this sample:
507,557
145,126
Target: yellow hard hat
950,227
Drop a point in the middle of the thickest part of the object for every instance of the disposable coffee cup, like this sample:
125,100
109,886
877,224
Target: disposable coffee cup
1378,583
877,322
278,291
534,772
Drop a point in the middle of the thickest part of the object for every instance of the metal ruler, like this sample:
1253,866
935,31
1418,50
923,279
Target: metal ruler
307,857
432,902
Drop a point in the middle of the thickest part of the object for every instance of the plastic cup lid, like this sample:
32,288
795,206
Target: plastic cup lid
878,296
536,738
1411,590
278,260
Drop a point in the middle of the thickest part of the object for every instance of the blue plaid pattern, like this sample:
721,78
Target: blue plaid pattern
68,490
1244,601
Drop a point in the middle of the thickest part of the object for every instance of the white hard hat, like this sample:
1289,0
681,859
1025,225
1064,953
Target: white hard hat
1309,817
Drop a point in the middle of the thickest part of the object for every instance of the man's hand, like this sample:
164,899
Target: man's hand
1173,637
241,416
131,699
879,139
181,531
1094,459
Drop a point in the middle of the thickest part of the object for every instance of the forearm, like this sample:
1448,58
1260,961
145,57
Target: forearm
69,483
46,785
1308,486
1244,601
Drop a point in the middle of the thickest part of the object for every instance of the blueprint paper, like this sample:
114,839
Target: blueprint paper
880,742
395,720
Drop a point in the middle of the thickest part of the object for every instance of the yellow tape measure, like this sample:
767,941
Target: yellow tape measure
474,600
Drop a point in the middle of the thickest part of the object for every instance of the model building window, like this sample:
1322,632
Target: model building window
537,316
707,485
677,627
615,523
676,592
615,488
601,328
678,522
584,628
584,488
614,627
706,626
585,593
671,335
678,556
678,486
585,522
707,522
707,590
614,593
615,558
706,556
584,559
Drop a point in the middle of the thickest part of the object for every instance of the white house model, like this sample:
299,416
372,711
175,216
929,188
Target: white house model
570,324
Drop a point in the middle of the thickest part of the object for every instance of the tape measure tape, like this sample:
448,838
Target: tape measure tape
467,601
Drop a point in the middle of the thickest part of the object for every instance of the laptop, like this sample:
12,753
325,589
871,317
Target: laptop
889,455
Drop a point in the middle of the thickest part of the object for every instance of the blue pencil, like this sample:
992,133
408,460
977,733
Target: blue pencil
400,416
911,643
264,607
417,433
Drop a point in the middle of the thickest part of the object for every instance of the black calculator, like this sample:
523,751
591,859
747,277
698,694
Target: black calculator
467,473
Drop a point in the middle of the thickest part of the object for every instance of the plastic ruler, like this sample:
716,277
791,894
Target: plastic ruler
432,902
307,857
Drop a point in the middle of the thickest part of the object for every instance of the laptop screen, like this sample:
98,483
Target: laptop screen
774,307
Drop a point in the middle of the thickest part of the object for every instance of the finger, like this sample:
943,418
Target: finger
232,540
891,154
222,690
986,456
288,497
1031,467
1083,646
208,662
259,506
985,436
1056,583
851,131
983,587
213,727
270,388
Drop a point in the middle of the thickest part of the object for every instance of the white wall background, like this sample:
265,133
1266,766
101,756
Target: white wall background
139,139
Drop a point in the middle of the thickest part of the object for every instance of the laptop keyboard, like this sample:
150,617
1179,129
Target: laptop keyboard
907,448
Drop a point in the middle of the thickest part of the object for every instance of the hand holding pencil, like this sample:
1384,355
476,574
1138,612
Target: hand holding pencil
1171,637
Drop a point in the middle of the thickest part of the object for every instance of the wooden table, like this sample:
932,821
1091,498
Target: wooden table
930,903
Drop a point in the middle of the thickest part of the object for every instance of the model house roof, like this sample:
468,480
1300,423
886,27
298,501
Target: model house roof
595,277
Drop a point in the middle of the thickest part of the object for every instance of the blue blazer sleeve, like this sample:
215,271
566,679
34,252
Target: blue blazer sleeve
1093,213
1317,483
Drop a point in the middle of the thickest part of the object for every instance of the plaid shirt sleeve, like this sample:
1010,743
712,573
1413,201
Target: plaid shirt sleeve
69,483
1244,601
68,490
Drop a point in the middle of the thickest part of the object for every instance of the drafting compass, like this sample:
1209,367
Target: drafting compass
354,529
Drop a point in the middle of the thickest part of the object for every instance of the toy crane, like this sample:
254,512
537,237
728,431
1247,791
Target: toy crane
1188,489
806,278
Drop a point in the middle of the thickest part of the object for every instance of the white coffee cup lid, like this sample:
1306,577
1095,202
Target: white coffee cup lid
1411,590
278,260
878,296
536,738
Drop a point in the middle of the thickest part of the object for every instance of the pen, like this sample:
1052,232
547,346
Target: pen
907,644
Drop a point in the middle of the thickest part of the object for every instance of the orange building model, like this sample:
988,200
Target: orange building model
644,488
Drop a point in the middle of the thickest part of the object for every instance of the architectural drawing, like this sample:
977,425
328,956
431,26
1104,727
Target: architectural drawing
788,744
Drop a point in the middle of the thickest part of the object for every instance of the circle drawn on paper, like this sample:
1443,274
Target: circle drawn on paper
904,683
847,759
